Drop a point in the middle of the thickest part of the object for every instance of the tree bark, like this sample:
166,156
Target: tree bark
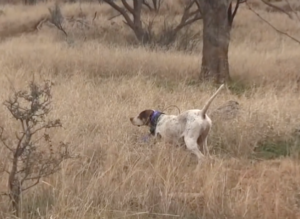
14,186
139,31
216,38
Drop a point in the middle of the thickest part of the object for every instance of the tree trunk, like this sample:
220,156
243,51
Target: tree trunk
216,37
137,22
14,186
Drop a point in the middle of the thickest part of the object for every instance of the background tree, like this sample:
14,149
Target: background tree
144,33
218,16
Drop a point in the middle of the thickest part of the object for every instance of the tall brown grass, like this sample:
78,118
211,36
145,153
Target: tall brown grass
101,79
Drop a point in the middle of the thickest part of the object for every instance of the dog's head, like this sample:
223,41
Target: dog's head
143,118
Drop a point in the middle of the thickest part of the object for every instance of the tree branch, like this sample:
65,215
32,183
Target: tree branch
186,15
235,11
198,6
56,18
267,22
295,12
32,185
147,5
112,17
127,6
2,139
157,5
122,11
276,8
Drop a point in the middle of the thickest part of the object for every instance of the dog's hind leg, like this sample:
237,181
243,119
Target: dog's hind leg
206,147
192,145
202,143
202,140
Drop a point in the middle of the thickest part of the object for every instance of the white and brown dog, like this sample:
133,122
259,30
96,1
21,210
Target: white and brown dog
189,128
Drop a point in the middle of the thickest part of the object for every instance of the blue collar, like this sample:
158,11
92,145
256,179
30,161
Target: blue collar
153,121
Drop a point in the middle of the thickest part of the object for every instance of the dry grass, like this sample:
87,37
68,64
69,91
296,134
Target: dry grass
101,80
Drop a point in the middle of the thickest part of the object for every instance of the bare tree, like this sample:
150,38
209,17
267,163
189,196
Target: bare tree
56,18
135,23
33,155
189,16
218,16
142,33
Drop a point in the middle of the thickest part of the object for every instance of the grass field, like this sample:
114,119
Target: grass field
102,78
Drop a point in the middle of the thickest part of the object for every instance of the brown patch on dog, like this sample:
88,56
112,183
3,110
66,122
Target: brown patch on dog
200,141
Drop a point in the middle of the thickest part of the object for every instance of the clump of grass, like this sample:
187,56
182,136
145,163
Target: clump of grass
273,148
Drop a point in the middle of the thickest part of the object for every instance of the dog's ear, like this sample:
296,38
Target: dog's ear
145,116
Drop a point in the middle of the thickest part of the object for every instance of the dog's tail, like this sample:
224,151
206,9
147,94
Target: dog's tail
207,104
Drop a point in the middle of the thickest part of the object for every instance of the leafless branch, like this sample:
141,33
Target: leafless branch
122,11
155,5
95,16
3,140
272,26
295,12
189,17
128,7
57,18
235,10
277,8
32,185
147,5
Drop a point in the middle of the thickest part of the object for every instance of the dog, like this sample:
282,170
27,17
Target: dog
190,128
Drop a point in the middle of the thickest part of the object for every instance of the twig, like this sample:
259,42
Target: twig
123,12
56,18
295,12
231,17
267,22
275,7
2,140
113,17
32,185
95,16
147,5
186,17
4,194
